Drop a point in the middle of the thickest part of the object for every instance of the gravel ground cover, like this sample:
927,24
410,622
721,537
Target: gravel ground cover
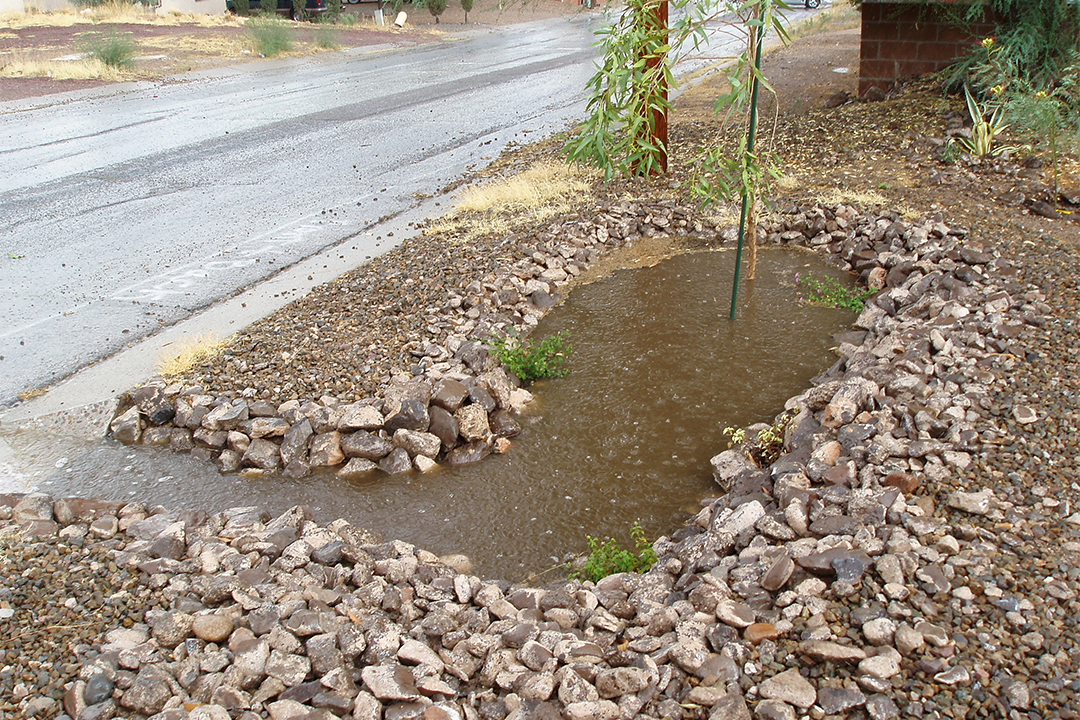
997,638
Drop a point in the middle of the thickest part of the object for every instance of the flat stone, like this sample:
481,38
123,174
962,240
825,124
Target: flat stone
359,417
837,700
958,675
592,710
828,651
771,710
390,682
881,707
472,452
356,469
778,573
879,631
735,614
977,503
882,666
449,394
760,631
791,687
212,628
1024,414
263,427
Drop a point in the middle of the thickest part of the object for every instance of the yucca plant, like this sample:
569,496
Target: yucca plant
984,130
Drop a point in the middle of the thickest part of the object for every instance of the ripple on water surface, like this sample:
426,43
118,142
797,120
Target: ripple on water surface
657,372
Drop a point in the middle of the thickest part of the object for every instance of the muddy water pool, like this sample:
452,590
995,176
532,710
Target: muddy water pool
657,372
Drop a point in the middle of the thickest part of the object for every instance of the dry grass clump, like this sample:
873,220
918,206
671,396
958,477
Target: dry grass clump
111,12
542,183
864,199
179,358
83,69
542,191
843,17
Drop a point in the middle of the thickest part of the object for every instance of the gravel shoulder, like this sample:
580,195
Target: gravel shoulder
985,626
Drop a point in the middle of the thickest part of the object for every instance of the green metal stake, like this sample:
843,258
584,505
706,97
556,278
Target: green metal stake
758,32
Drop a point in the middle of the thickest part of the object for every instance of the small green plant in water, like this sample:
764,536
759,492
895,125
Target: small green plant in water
545,360
608,557
116,50
829,292
768,445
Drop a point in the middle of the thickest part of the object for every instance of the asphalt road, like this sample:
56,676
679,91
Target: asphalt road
126,212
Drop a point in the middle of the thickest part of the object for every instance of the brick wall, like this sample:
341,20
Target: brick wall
904,38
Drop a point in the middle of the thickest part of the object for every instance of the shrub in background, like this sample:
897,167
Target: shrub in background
116,50
269,35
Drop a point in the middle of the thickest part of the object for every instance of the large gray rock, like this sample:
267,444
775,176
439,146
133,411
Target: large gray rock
262,427
326,450
417,443
408,415
226,417
474,451
262,454
449,394
294,445
126,426
368,446
153,403
35,506
728,465
356,469
443,426
472,422
360,417
396,463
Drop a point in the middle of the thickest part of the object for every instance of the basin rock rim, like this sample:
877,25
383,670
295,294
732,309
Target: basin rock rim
457,405
827,582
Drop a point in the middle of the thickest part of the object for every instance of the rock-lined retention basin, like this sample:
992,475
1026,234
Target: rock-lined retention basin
657,372
865,573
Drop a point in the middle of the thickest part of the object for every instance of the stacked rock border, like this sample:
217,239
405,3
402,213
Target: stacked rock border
825,585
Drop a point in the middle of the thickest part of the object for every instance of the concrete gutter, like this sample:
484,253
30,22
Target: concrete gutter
83,403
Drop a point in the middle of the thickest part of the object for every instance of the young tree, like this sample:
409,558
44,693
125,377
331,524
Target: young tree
466,5
435,7
628,98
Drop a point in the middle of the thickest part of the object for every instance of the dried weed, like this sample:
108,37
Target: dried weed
186,354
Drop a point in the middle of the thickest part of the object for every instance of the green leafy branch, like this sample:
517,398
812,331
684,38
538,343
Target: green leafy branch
828,291
767,446
608,557
547,359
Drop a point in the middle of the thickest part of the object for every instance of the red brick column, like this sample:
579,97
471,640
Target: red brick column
905,38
